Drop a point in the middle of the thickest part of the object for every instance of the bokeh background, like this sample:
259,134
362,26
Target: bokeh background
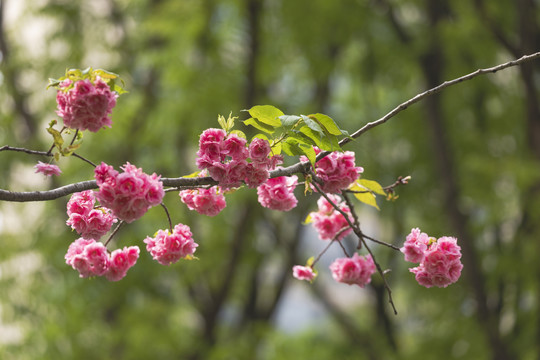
473,152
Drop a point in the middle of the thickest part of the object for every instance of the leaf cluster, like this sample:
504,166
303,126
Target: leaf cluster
295,134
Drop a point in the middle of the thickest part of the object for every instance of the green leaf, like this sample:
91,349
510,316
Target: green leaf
364,194
222,122
309,152
267,114
70,149
53,83
323,141
230,121
328,123
371,185
296,134
259,125
308,220
276,148
367,198
310,261
312,124
57,137
104,74
289,120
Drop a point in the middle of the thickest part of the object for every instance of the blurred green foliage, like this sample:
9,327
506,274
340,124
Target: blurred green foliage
185,62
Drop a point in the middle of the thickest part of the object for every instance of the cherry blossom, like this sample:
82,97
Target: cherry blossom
167,248
356,270
47,169
128,194
303,272
84,105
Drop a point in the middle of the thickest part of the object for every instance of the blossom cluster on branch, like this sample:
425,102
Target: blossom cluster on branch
85,100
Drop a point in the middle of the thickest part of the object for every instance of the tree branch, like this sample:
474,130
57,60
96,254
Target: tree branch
300,167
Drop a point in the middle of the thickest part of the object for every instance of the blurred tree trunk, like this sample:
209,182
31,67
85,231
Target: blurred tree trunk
432,63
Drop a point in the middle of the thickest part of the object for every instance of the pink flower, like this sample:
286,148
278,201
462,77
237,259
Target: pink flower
210,144
328,221
88,257
81,203
168,248
415,246
255,176
236,171
47,169
225,157
440,263
356,270
87,105
277,193
235,147
89,222
128,194
259,149
338,171
205,201
91,258
121,260
303,272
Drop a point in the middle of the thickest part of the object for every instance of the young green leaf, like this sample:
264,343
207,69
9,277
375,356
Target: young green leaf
312,124
371,185
325,142
367,198
308,220
276,147
328,123
364,194
267,114
309,152
259,125
289,120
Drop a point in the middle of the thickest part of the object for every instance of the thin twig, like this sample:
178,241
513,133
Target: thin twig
42,153
435,90
168,216
382,273
114,232
74,137
322,252
361,237
84,159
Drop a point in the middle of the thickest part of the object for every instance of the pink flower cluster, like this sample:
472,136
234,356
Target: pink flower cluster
439,259
225,157
86,105
91,258
303,272
47,169
88,221
337,170
168,248
355,270
277,193
328,221
128,194
205,201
